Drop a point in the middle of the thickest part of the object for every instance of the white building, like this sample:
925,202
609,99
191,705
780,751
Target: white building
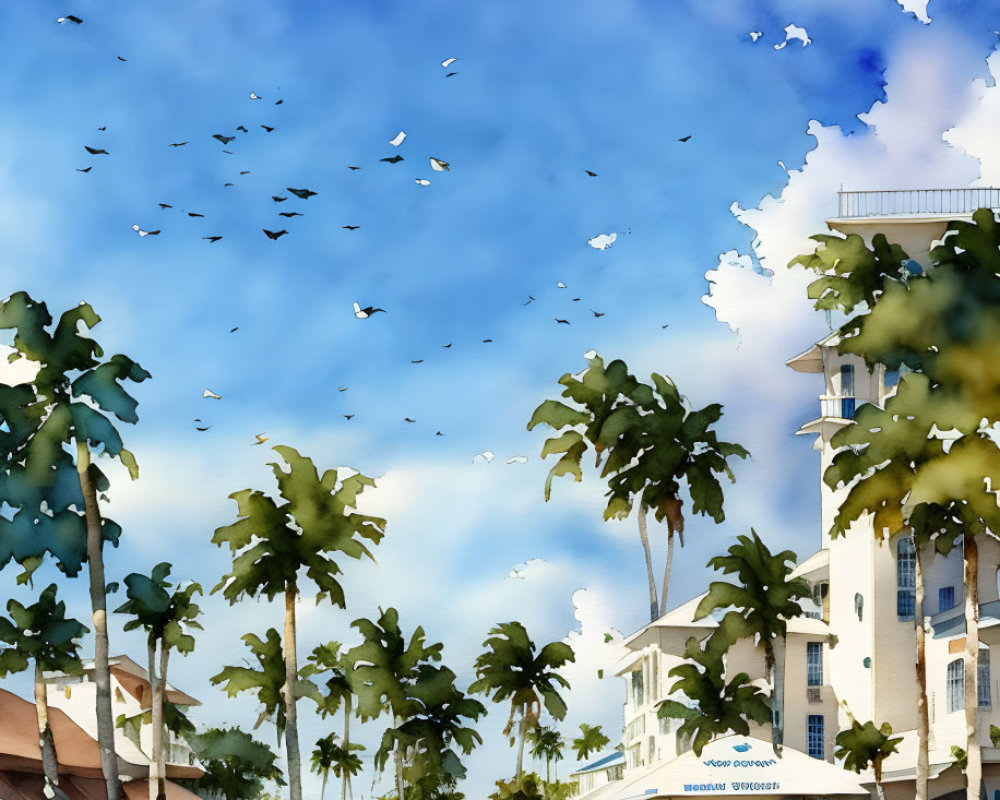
856,644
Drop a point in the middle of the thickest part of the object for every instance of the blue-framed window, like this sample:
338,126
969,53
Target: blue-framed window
946,598
906,578
955,686
814,663
814,735
891,377
983,677
847,401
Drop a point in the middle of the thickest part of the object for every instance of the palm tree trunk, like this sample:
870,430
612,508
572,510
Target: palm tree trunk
923,718
521,729
667,569
974,771
399,770
291,677
156,705
347,741
99,605
322,788
654,613
50,763
161,754
775,652
878,780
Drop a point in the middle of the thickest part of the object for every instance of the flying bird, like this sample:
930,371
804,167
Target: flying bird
241,128
278,102
392,159
591,174
260,437
233,330
274,235
164,205
304,194
348,416
213,395
223,139
517,460
230,152
350,227
70,18
177,144
418,361
228,184
529,300
341,388
353,169
244,172
486,455
407,419
423,182
143,233
561,321
684,138
194,214
96,151
122,59
202,429
278,199
451,74
486,341
367,311
213,240
447,345
397,140
597,313
88,169
254,96
267,128
289,214
439,166
439,434
103,128
448,62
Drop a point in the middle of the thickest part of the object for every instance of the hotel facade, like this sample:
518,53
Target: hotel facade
855,647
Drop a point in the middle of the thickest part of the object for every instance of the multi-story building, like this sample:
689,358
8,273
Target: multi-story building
855,648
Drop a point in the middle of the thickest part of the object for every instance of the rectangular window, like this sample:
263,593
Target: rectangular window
956,686
637,693
847,400
891,377
983,677
814,735
814,663
906,578
946,598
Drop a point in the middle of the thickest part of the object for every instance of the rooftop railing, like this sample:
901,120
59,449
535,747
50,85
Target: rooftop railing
917,202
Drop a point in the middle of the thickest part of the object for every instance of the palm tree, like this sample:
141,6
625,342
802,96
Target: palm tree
272,543
50,427
266,681
511,668
41,633
649,443
236,765
546,743
166,616
861,745
717,706
768,597
334,754
327,660
389,674
591,740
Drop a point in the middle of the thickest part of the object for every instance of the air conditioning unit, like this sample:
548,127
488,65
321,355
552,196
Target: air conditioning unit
812,694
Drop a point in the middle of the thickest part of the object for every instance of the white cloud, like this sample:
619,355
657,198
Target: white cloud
976,132
794,32
603,241
916,7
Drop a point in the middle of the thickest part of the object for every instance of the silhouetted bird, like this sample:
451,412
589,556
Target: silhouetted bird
213,240
289,214
165,205
684,138
88,169
278,199
223,139
561,321
177,144
273,235
367,311
392,159
193,214
267,128
241,128
350,227
95,151
591,174
304,194
70,18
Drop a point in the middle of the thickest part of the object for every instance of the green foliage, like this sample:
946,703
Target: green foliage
272,541
327,660
718,706
331,754
40,633
995,736
961,757
511,669
861,745
164,615
546,743
69,401
591,740
644,436
174,720
389,674
528,788
237,766
266,680
765,590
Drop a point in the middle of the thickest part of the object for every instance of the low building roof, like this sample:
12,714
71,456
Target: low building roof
612,759
30,786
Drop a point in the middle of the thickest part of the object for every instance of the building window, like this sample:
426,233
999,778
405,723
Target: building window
637,693
847,391
906,578
859,606
946,598
683,743
814,663
955,686
814,735
891,378
983,677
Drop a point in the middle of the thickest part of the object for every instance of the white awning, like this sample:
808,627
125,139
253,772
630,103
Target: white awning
741,765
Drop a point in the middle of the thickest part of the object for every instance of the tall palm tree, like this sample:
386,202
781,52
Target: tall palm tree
167,617
591,740
768,597
546,743
41,633
718,706
273,542
327,660
510,668
649,443
50,426
333,754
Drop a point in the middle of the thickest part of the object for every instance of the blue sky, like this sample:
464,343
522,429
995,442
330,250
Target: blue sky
543,92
